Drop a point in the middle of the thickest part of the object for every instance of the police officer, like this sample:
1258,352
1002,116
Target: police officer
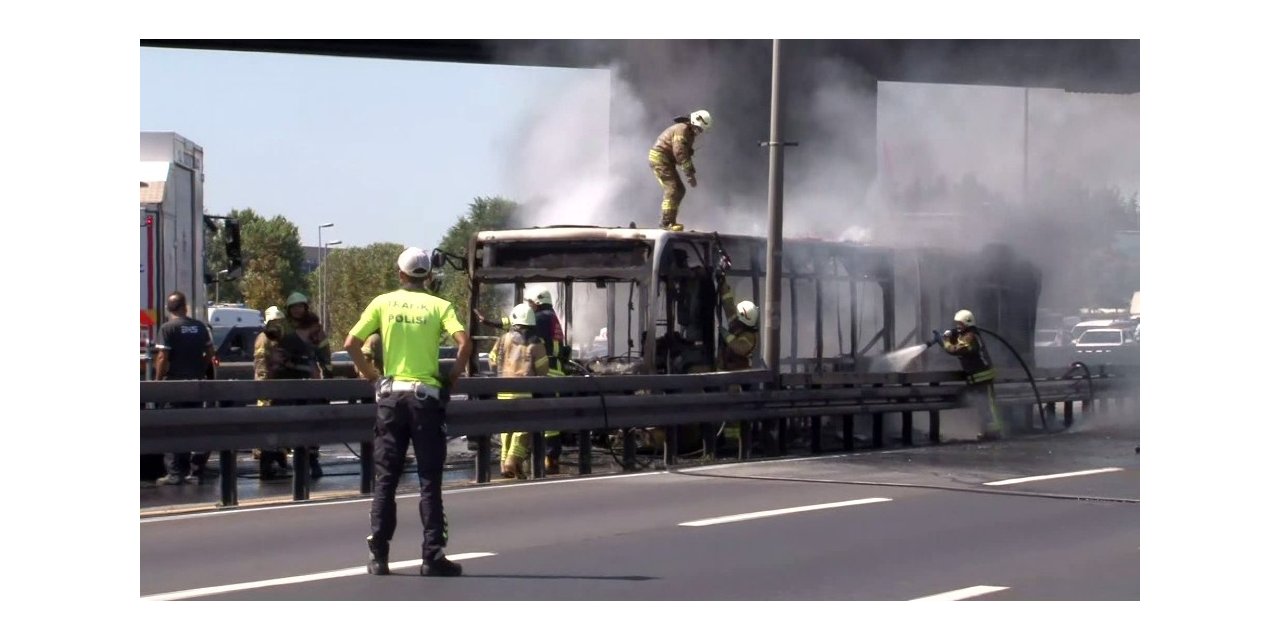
519,353
964,343
411,400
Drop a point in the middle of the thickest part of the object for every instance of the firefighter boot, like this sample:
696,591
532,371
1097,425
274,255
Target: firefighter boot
378,552
441,566
669,221
513,467
316,469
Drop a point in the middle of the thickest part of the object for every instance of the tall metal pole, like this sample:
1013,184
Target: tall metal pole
320,252
1026,127
324,284
773,246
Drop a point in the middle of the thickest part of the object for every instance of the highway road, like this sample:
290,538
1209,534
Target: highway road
1049,517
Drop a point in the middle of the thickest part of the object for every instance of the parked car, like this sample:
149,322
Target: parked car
1103,340
1051,338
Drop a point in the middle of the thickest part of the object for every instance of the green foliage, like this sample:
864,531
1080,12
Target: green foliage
355,276
272,254
484,214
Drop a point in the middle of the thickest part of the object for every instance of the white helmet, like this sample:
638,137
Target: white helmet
273,313
543,296
965,317
748,313
701,118
523,314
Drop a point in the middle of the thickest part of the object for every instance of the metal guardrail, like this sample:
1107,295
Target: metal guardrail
309,412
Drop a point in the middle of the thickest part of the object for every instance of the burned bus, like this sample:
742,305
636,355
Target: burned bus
645,300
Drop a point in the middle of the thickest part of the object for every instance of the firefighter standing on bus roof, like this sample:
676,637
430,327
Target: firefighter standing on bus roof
519,353
674,149
964,342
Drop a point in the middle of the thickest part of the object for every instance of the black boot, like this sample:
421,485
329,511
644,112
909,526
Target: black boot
378,552
443,567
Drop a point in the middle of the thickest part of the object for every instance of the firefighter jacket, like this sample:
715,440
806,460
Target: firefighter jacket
552,336
675,146
974,361
519,353
738,341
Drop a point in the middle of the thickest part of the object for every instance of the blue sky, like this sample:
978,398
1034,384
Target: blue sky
387,150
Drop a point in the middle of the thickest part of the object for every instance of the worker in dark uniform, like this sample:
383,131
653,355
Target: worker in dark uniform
964,342
184,352
552,334
306,324
411,397
671,151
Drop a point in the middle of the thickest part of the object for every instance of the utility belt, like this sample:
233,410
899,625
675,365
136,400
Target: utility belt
420,390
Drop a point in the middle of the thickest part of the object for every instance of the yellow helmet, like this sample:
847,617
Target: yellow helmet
965,317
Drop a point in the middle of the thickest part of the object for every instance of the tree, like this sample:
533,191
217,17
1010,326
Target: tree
355,275
484,214
272,255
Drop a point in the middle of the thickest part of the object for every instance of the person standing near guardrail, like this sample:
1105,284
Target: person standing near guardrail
552,335
306,324
963,342
411,396
269,361
184,352
519,353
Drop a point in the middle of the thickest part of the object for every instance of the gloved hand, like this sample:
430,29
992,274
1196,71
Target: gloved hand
693,180
949,335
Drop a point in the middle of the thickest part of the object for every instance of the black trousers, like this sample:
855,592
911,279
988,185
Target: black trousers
404,419
183,462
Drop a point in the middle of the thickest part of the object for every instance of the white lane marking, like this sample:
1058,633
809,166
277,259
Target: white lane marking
403,496
962,594
275,582
1055,476
779,512
693,470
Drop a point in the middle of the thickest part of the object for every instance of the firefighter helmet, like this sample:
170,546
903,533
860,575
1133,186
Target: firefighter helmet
748,313
297,297
701,119
543,296
965,317
523,314
273,313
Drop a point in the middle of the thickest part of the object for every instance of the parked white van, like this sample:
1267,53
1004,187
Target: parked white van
234,315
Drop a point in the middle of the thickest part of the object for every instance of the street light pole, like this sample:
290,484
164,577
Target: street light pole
773,245
320,254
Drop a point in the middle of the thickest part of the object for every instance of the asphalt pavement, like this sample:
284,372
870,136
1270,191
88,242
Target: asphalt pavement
1049,517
